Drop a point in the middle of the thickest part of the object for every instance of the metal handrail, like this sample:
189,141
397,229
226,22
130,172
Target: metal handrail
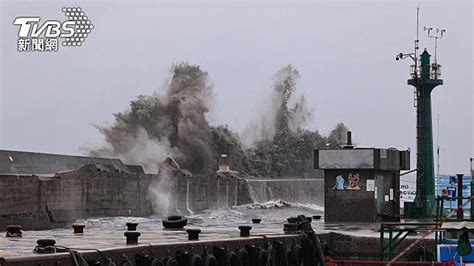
434,71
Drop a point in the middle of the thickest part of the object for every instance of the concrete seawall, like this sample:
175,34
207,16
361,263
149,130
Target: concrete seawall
43,191
209,192
43,202
49,201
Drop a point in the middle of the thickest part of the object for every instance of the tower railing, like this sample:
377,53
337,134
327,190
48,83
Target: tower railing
415,71
434,70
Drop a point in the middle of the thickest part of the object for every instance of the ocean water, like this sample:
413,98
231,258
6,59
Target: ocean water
273,214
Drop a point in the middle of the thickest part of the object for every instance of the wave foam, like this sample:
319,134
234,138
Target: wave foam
281,204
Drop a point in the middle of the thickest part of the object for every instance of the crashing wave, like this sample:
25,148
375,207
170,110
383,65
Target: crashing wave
281,204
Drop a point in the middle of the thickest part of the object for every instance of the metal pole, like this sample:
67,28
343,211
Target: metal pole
437,163
460,214
472,203
382,235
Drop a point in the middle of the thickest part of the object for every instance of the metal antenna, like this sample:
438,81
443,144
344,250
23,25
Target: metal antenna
414,55
417,33
437,35
414,72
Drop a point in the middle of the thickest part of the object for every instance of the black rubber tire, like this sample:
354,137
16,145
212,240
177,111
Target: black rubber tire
253,254
293,256
170,262
219,253
210,260
280,255
243,257
156,262
231,259
262,257
196,260
175,222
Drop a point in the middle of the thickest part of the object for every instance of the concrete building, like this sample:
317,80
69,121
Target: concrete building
362,184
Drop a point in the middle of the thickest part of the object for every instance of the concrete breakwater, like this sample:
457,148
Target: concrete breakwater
294,190
44,202
43,191
198,193
210,192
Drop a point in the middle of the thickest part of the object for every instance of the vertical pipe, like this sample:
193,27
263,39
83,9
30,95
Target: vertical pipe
438,205
460,213
236,192
472,202
390,240
217,195
190,212
381,241
442,208
227,194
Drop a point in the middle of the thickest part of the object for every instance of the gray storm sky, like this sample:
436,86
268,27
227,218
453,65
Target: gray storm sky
345,52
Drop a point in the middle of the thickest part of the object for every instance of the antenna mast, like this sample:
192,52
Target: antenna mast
417,34
438,35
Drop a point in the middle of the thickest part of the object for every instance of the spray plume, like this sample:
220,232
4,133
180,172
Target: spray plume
175,124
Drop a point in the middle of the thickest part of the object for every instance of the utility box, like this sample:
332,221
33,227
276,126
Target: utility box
361,184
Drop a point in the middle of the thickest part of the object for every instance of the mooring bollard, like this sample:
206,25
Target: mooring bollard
45,246
14,231
78,228
132,237
256,221
132,226
245,230
193,234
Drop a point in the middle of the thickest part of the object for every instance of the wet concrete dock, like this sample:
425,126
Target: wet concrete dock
114,239
347,240
154,241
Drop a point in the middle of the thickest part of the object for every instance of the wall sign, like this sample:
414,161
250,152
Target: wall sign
370,185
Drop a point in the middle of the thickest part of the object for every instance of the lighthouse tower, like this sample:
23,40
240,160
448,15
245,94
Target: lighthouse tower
424,78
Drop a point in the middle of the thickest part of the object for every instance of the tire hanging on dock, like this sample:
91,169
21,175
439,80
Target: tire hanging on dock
196,260
210,260
293,256
156,262
262,257
252,251
231,259
170,262
219,253
243,257
146,260
280,254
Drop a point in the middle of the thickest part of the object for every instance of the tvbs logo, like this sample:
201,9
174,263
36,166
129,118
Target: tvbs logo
29,27
34,35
